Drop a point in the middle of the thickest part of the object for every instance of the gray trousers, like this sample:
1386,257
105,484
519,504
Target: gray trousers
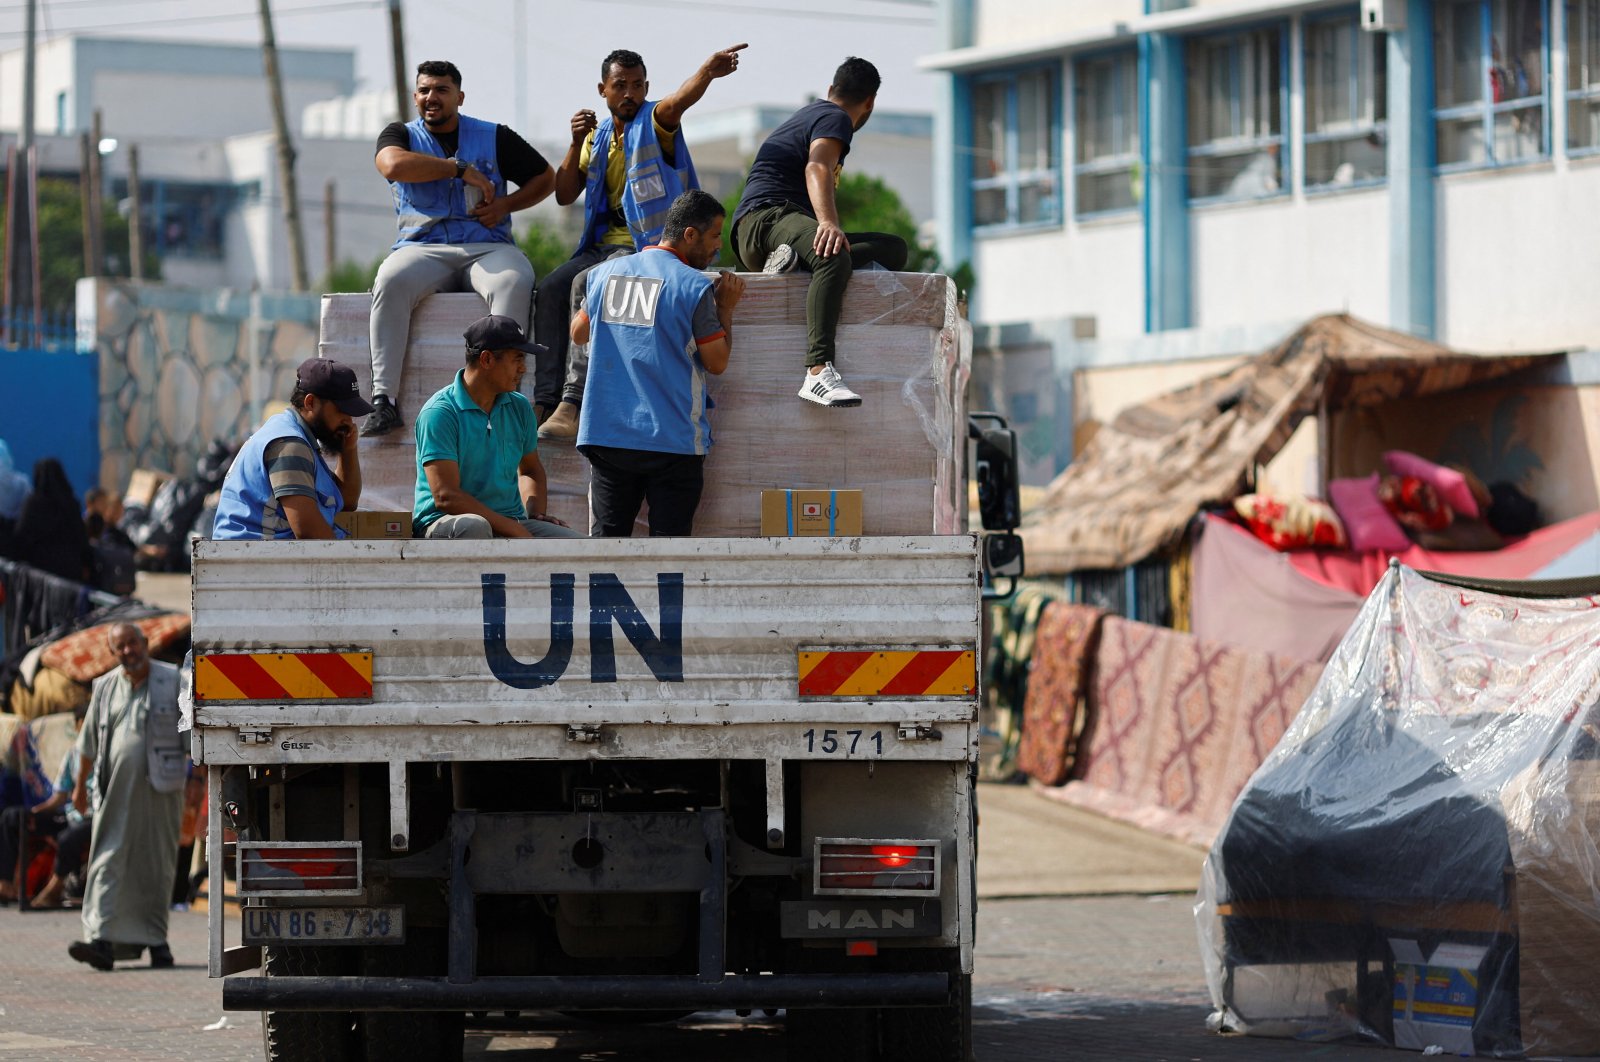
497,271
471,525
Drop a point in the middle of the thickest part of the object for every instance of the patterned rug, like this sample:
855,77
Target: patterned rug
1063,655
1177,726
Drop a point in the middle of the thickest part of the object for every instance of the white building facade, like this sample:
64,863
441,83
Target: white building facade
1148,182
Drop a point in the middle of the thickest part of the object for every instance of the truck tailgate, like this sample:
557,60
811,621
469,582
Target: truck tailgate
643,647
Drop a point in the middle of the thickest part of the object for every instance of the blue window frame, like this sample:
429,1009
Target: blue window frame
1583,76
1105,164
1238,102
1490,103
1016,150
1346,104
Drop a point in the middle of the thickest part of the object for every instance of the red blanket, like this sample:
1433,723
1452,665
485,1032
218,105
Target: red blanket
1178,725
1063,654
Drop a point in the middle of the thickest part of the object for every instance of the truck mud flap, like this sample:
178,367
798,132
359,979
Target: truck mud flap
644,992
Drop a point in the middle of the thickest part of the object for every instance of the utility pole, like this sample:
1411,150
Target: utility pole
519,65
86,203
20,294
397,45
135,217
330,250
97,214
280,123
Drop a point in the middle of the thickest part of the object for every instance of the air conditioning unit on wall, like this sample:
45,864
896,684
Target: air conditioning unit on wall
1383,16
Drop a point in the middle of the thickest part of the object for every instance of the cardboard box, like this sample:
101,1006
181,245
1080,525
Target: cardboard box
1435,997
800,513
375,524
143,485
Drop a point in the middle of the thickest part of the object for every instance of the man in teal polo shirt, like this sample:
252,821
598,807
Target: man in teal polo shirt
478,470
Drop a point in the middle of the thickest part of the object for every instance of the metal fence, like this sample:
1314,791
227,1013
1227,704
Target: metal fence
53,330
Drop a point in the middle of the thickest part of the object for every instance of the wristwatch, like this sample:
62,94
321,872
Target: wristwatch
461,167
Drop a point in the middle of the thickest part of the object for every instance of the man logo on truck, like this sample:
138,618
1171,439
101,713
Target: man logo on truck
608,601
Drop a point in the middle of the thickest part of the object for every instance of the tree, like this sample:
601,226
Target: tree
867,204
545,248
350,275
61,244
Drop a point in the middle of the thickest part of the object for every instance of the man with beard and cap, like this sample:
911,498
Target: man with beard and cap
642,166
657,325
787,216
279,486
448,173
130,745
478,468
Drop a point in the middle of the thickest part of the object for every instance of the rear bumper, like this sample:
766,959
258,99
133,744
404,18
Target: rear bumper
792,991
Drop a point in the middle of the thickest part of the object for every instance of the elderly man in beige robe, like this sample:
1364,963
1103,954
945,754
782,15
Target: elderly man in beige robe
130,744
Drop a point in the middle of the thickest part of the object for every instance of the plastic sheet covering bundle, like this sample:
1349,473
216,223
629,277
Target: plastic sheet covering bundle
1416,863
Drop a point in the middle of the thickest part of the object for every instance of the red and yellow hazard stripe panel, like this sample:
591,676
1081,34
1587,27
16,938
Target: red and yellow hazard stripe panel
888,673
282,676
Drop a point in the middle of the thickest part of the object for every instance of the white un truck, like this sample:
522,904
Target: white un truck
637,778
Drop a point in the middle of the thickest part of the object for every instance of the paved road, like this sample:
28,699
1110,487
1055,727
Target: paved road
1094,978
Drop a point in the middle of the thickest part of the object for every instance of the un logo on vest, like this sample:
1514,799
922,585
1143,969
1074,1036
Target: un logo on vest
631,301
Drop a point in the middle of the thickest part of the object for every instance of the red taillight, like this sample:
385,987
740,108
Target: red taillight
846,865
268,868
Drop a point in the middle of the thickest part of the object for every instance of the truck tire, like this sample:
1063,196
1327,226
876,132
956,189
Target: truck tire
413,1034
831,1035
305,1036
931,1034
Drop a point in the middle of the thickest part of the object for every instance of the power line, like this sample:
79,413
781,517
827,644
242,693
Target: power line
315,9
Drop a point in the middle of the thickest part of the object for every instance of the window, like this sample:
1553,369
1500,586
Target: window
1346,104
1489,60
182,219
1015,151
1105,166
1236,115
1583,75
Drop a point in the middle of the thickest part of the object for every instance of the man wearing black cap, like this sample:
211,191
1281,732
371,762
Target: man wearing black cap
279,486
478,469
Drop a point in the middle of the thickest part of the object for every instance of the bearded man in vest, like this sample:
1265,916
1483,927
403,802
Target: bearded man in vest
448,172
279,486
627,188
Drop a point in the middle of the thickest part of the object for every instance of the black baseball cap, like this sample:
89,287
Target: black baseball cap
333,381
496,332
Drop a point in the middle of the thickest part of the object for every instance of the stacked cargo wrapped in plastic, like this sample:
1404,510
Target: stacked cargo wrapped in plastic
1415,863
902,346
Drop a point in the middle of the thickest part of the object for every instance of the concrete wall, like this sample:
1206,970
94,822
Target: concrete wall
50,408
1294,257
182,367
1001,22
1093,269
1516,258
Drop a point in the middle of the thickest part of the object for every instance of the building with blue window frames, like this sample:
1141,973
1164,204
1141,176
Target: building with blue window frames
1140,183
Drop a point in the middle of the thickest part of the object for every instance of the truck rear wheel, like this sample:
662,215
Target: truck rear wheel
305,1036
414,1034
931,1034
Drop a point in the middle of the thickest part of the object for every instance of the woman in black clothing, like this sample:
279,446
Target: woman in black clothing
50,534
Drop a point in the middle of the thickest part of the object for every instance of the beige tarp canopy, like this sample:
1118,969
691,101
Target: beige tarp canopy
1144,476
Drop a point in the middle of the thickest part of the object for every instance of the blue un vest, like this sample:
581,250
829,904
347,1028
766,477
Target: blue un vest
646,387
436,211
247,492
649,184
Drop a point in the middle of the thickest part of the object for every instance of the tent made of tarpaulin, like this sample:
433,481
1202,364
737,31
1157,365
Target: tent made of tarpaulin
1145,475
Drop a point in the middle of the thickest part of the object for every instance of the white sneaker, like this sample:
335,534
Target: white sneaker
781,260
827,388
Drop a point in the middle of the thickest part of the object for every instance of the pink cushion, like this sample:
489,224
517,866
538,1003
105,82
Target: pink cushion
1369,525
1450,485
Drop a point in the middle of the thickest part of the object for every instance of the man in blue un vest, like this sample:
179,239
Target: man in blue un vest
448,172
627,188
279,486
657,325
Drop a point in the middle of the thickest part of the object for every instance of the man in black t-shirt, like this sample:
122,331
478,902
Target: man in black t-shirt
787,215
448,172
